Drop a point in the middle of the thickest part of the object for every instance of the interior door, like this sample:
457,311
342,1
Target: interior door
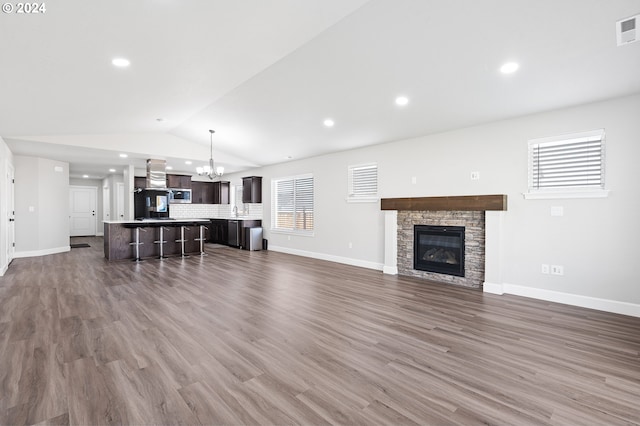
106,203
120,200
11,229
82,210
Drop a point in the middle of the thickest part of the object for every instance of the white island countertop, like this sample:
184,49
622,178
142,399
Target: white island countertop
152,221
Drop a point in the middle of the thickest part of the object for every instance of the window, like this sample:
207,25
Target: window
363,182
293,204
567,166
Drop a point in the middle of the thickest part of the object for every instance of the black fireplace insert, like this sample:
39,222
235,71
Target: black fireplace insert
439,249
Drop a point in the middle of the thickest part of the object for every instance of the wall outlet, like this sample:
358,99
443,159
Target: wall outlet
288,237
545,268
414,180
557,211
350,245
557,270
475,175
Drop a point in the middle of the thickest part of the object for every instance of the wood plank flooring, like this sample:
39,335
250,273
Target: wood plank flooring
241,337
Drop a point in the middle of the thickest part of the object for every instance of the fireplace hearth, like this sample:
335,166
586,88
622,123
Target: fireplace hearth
439,249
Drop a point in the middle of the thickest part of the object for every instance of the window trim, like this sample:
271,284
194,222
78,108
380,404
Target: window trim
274,194
565,192
354,198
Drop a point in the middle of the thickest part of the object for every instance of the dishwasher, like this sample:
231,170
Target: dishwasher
234,233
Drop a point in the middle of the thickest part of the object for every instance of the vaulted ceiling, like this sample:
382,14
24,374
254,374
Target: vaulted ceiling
265,74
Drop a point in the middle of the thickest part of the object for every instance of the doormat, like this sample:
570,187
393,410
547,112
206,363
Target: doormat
80,245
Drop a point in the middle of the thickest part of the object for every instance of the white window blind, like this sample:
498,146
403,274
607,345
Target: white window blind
569,162
293,204
363,181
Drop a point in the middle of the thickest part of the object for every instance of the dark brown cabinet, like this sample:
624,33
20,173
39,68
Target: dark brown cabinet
221,192
244,230
179,181
252,189
139,182
219,231
202,192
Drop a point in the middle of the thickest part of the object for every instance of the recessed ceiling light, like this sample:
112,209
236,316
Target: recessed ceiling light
328,122
112,170
120,62
188,163
288,157
169,168
85,176
402,100
160,120
509,68
123,155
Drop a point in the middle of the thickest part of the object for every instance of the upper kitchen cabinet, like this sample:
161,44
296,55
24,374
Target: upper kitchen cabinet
252,189
221,192
202,192
179,181
139,182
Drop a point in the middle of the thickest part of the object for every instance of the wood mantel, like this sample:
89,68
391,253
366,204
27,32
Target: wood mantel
458,203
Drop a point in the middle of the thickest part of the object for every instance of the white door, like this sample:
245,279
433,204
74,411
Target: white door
11,230
106,203
82,210
120,200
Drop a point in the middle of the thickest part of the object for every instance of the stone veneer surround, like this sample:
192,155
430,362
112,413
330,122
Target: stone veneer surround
474,223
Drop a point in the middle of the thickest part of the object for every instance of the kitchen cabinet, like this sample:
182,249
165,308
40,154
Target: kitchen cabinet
252,189
140,182
221,191
231,232
219,231
179,181
244,230
202,192
238,229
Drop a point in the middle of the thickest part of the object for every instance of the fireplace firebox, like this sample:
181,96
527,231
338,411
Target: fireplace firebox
439,249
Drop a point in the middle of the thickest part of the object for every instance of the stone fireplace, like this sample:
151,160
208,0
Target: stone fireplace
473,249
480,217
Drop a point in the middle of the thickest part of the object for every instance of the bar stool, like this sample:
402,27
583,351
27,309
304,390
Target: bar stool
137,243
202,239
182,240
161,242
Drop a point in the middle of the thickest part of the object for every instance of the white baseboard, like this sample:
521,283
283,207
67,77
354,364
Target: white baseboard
3,270
329,257
35,253
607,305
391,270
99,234
492,288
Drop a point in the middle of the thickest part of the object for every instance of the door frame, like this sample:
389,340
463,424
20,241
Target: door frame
11,213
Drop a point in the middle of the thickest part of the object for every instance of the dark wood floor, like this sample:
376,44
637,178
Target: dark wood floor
243,337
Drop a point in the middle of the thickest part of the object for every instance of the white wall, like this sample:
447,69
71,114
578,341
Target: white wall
594,240
6,159
42,206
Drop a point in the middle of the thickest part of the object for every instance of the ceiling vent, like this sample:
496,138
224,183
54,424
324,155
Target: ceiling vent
627,30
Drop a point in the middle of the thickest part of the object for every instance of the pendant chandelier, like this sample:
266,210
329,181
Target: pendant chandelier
210,170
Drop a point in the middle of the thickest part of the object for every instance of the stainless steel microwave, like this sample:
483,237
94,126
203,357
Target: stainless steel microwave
177,196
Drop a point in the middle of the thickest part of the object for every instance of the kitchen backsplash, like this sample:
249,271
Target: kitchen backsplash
213,211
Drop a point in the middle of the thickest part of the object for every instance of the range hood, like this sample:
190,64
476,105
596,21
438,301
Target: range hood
156,174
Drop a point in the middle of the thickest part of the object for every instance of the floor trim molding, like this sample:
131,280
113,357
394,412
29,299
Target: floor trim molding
35,253
329,257
607,305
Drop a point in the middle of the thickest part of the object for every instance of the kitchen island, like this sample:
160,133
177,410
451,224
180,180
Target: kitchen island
119,236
